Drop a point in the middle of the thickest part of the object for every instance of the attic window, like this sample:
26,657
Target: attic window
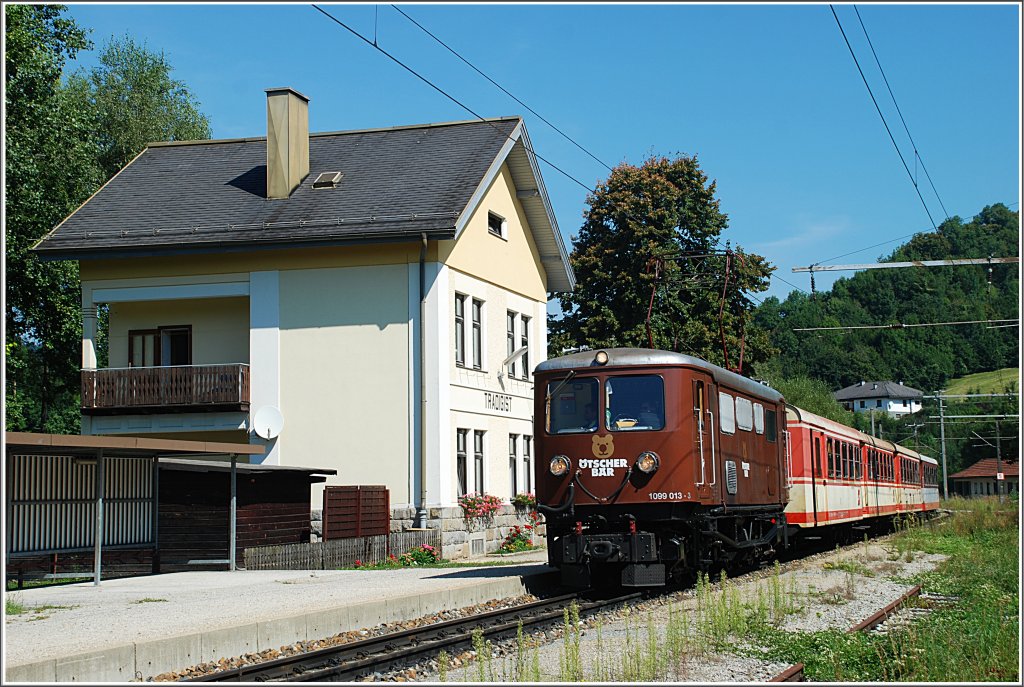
496,225
327,180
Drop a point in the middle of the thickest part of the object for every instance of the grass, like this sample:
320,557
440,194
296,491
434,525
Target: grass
149,600
975,639
13,605
995,382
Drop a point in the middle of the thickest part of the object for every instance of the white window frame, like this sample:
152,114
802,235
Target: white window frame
478,348
460,340
726,413
524,340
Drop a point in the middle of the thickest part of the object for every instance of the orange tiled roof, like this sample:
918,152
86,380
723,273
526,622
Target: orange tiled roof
986,467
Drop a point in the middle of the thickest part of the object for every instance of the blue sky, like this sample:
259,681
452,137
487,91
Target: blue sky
767,97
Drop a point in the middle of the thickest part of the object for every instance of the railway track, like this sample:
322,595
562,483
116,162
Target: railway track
393,651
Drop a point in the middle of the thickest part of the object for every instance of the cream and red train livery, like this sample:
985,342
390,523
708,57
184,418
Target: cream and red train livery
840,475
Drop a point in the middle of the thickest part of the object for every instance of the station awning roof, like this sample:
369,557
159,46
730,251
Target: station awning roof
112,447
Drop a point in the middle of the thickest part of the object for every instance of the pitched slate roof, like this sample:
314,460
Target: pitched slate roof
986,467
397,183
877,390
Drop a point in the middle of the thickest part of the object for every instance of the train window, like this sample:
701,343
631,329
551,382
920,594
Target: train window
726,413
772,430
817,456
846,459
831,465
634,403
572,408
744,414
759,418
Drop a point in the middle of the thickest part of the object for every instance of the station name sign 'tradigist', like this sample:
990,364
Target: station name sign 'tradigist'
499,402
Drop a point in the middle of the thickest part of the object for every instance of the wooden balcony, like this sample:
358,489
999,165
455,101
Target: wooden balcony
185,388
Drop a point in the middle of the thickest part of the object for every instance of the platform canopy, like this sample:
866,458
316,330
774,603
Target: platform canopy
57,484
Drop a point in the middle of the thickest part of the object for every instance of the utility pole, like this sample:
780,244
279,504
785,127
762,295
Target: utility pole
942,439
999,465
872,411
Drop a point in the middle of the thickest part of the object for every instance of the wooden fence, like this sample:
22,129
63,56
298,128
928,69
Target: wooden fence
338,553
356,511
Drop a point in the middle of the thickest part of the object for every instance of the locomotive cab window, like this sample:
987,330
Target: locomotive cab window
572,408
772,429
635,403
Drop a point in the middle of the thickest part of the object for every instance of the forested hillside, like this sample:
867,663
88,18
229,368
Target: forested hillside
925,357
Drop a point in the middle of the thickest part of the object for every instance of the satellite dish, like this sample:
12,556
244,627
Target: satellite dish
267,422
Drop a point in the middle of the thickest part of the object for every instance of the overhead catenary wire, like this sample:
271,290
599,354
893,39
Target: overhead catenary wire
917,153
502,88
440,90
898,326
884,123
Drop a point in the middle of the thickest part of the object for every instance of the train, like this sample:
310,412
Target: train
652,465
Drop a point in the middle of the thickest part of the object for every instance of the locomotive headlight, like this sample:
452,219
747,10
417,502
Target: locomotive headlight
648,462
560,466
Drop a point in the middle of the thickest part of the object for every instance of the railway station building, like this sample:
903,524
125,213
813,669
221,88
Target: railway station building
370,301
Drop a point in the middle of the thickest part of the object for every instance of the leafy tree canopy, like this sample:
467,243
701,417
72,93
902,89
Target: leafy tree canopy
654,230
63,140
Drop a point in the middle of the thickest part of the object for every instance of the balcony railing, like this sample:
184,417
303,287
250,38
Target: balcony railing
166,389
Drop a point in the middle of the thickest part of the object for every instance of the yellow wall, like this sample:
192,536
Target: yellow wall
512,263
220,327
345,373
255,261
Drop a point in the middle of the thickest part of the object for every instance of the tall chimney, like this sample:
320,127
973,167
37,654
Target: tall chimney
287,141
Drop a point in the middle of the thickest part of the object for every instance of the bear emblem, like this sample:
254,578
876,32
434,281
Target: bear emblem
603,445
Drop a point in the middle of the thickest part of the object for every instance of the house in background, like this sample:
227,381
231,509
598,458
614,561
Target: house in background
890,397
366,301
981,479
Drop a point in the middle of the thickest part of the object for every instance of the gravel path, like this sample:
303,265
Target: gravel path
837,589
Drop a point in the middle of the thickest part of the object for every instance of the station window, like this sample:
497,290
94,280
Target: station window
478,461
510,340
527,460
524,342
460,329
496,225
513,460
460,460
478,342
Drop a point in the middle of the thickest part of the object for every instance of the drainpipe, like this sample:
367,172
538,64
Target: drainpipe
421,509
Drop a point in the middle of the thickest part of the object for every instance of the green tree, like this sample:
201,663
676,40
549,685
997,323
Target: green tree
50,169
638,224
64,139
133,101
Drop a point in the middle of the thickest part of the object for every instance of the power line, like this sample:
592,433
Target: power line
905,127
952,262
443,92
502,88
876,245
899,326
884,123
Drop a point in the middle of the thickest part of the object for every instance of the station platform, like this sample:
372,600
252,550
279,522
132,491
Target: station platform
136,628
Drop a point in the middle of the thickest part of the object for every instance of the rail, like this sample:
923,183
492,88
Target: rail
351,661
171,387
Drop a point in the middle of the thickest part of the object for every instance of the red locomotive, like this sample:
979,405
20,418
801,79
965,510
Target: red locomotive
652,464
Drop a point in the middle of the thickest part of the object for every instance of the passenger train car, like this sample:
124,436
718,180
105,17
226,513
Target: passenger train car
652,464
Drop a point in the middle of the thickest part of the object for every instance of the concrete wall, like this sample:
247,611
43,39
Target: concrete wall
344,375
220,327
511,262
